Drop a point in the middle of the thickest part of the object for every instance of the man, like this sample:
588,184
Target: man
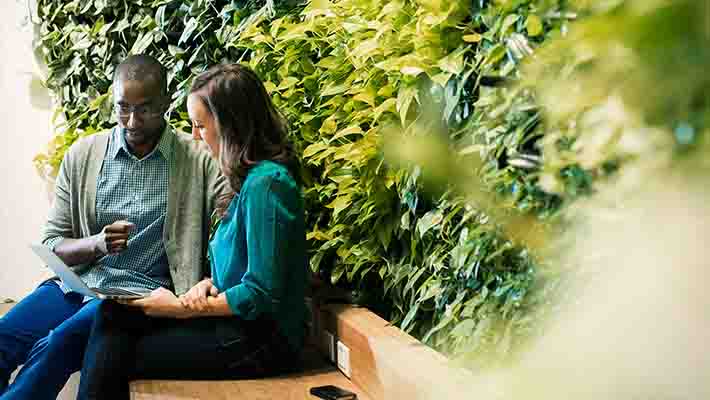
131,209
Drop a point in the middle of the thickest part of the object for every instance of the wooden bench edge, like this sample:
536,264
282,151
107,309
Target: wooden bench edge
385,361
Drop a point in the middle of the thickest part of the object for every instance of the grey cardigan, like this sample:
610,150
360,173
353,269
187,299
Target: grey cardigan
194,185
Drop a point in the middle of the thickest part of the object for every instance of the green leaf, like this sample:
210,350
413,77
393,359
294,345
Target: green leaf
142,43
429,221
441,325
330,125
122,25
339,204
388,105
147,22
495,54
337,273
103,31
409,317
508,23
313,149
411,70
287,83
404,100
464,328
334,89
454,62
534,25
473,38
190,27
160,16
351,130
330,62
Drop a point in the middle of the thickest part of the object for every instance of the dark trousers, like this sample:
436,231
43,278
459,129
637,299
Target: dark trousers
47,332
125,344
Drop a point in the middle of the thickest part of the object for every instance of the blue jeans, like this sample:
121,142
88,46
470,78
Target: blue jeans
47,332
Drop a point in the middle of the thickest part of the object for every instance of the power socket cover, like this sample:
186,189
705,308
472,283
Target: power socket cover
344,358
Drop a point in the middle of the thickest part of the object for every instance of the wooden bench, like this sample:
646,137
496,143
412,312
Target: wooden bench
287,387
386,362
382,363
318,371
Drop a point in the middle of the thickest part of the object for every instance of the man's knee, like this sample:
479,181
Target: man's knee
11,350
69,339
64,342
8,364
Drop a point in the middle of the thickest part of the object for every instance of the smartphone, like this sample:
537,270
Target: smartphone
330,392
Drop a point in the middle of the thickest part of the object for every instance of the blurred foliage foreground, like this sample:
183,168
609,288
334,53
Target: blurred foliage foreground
441,140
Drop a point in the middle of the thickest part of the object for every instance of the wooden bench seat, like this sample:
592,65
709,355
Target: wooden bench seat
382,361
296,386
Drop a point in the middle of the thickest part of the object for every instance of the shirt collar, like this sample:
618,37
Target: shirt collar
165,145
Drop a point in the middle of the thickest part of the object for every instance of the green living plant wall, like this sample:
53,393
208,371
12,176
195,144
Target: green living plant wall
454,271
349,73
82,41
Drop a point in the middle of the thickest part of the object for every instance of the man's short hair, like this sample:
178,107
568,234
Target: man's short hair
142,67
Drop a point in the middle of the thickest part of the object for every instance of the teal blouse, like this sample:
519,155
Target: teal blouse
258,253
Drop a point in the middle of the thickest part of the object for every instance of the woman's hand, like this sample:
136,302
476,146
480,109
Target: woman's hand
161,303
196,298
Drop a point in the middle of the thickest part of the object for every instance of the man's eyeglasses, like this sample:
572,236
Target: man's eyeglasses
143,110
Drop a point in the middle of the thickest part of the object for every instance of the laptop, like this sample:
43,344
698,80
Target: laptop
74,282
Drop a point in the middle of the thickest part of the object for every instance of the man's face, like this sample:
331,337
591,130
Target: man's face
139,108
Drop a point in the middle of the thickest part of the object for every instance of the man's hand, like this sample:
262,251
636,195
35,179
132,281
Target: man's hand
113,239
161,303
196,298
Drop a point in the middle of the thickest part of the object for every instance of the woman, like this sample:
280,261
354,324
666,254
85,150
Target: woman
247,320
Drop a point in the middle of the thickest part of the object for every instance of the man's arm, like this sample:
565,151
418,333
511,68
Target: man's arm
59,230
59,224
112,239
78,251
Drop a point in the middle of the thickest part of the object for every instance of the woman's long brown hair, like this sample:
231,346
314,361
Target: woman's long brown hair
250,129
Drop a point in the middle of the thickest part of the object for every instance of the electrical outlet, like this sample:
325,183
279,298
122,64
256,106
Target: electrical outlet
344,358
329,344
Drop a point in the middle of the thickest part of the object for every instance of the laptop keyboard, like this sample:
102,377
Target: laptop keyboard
114,292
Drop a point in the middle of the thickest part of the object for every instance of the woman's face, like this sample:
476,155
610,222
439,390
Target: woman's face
203,124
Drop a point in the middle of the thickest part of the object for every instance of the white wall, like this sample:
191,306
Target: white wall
25,132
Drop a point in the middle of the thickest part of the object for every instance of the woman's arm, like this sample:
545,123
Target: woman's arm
205,301
164,304
161,303
217,307
271,220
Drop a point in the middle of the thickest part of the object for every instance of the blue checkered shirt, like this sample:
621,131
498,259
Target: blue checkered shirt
136,191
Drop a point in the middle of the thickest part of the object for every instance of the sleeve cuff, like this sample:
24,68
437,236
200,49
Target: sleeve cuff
53,242
238,301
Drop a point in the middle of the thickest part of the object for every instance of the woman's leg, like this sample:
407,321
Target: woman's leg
125,346
110,353
212,349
